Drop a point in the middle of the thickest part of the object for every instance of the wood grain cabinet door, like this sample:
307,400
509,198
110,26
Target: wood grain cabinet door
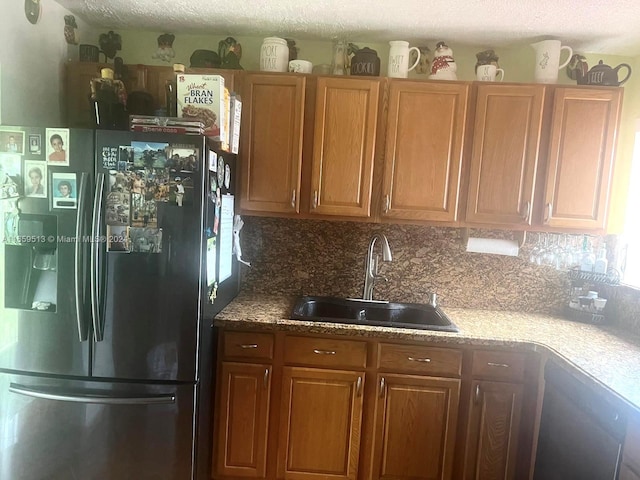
415,427
241,447
493,430
423,153
78,76
343,146
271,155
504,159
320,424
581,152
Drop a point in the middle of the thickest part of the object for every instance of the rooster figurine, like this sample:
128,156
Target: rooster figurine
70,26
443,66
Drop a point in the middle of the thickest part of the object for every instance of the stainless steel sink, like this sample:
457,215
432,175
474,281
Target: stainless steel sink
367,312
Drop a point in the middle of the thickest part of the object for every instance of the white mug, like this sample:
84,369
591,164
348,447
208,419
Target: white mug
548,60
300,66
399,59
488,73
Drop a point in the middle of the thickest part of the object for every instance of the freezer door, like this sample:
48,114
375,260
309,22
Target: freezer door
61,430
147,314
44,322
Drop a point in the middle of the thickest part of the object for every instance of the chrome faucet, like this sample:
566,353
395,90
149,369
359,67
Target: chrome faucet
371,266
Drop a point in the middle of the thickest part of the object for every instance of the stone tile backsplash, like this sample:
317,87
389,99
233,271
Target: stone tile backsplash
290,256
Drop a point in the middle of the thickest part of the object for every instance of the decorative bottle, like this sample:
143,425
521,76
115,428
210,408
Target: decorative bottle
601,263
171,91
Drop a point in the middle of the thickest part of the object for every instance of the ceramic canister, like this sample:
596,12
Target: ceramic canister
274,55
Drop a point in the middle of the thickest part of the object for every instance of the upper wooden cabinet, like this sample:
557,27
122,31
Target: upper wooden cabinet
580,161
271,142
504,159
345,125
78,76
423,153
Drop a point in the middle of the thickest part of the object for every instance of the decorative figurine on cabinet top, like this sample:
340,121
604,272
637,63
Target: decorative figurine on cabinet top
423,65
577,67
230,53
487,57
110,43
70,26
165,48
444,66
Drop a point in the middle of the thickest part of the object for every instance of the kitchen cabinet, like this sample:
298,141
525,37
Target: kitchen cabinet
423,152
320,423
499,440
271,142
504,158
580,159
346,115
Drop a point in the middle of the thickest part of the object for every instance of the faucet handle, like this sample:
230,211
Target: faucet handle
433,299
381,277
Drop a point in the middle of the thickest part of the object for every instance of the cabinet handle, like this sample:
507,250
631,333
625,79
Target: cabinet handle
324,352
293,199
476,395
248,345
547,216
423,360
359,387
387,203
527,211
501,365
382,385
315,199
266,377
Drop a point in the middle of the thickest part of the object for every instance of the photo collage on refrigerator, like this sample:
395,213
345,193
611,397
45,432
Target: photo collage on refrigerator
144,178
28,169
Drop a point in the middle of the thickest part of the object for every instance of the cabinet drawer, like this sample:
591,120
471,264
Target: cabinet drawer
419,359
499,365
325,352
248,345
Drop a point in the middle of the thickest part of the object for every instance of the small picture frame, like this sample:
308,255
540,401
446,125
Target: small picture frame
12,141
35,144
35,179
64,192
58,146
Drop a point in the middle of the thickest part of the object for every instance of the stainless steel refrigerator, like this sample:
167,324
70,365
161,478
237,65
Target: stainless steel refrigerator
115,257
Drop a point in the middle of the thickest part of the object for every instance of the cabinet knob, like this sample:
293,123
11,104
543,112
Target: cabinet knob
387,203
248,345
315,199
548,213
476,395
416,359
293,199
382,385
359,386
324,352
527,211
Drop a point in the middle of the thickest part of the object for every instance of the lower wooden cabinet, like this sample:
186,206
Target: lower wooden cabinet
241,447
491,446
415,427
320,423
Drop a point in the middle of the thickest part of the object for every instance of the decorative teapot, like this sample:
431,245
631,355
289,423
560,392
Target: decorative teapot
604,75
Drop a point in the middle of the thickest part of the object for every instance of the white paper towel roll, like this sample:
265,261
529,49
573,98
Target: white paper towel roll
493,245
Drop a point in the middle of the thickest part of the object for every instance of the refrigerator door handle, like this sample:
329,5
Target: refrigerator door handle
48,394
83,327
96,260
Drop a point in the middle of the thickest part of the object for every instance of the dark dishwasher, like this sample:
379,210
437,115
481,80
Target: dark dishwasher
581,434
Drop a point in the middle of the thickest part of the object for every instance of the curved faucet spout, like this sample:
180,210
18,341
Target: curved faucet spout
371,264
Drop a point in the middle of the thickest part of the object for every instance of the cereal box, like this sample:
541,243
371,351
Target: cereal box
202,96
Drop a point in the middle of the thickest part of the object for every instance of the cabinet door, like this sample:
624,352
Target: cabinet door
415,420
343,146
320,424
581,150
504,159
493,430
423,152
241,448
79,113
271,154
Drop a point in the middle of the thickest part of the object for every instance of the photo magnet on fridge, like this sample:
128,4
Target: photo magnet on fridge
144,212
11,141
35,144
120,181
109,158
58,146
10,177
117,209
35,179
117,238
64,190
145,240
181,190
183,158
125,158
149,155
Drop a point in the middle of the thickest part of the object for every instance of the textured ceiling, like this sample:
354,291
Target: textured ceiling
589,26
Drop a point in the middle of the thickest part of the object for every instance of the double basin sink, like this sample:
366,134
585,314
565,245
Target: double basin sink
372,312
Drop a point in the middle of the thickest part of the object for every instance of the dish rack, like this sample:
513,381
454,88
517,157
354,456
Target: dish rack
586,281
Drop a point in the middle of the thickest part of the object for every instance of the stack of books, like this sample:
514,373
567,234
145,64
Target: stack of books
145,123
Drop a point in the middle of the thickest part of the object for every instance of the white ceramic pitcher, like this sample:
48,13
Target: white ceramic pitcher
548,60
399,59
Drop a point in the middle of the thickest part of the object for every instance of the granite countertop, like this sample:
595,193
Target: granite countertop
600,355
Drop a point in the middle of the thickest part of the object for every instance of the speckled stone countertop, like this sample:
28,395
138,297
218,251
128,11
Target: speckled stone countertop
601,356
